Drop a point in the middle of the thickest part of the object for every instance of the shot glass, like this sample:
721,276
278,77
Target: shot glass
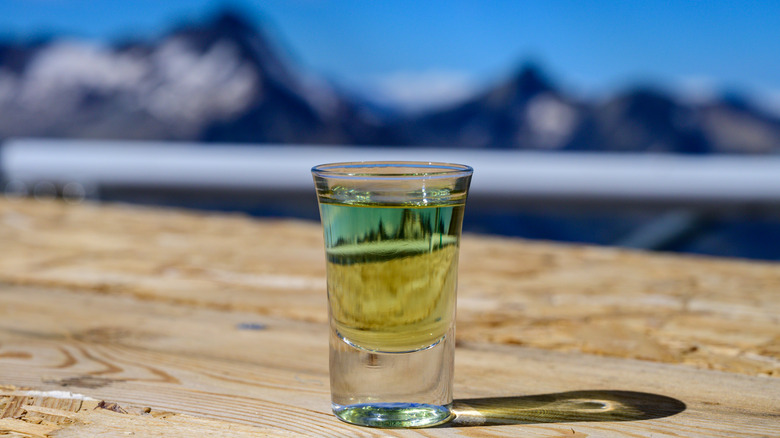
392,235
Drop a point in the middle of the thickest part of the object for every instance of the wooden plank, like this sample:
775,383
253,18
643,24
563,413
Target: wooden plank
69,419
218,370
216,325
25,428
705,313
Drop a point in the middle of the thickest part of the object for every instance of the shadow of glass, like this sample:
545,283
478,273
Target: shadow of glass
564,407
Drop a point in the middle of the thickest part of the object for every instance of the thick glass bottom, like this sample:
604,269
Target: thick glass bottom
390,415
380,389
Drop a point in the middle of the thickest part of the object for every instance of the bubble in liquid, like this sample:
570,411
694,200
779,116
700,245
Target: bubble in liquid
44,190
74,193
15,188
349,196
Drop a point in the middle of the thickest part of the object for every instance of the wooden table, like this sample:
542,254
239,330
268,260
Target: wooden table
118,321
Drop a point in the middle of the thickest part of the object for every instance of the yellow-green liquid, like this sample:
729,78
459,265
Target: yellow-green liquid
392,273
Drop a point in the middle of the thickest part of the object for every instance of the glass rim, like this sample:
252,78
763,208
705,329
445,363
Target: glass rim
373,169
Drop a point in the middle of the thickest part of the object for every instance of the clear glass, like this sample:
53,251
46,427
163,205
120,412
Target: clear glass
392,235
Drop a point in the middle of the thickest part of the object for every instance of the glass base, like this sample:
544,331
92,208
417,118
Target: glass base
379,389
393,414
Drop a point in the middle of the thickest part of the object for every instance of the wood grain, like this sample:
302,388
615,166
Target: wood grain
42,416
204,365
706,313
186,324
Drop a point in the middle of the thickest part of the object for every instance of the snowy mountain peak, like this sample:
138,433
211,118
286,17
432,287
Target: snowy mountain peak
224,80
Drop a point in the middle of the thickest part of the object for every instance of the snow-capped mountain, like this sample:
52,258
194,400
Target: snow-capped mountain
224,81
220,81
529,112
526,111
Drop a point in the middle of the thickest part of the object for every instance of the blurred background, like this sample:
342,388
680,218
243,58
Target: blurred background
651,124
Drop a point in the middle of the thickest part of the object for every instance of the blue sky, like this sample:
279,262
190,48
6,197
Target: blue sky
438,48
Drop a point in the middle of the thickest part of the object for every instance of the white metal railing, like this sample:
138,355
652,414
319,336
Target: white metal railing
25,163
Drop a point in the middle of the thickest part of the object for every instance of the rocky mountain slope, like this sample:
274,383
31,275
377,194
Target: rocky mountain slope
223,81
